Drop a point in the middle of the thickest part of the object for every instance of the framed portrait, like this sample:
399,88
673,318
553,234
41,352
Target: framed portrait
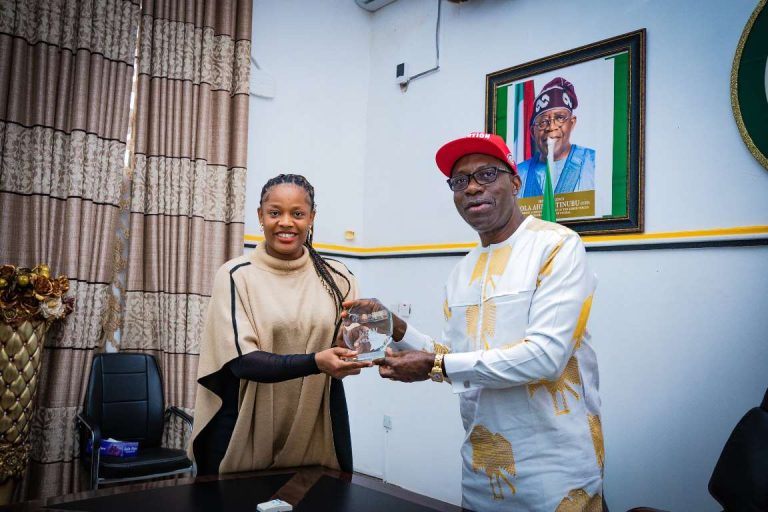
587,105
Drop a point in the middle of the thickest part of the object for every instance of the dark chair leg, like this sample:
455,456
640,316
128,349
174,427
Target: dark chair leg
95,458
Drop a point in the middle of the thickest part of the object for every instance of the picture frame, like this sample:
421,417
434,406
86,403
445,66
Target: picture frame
597,94
748,83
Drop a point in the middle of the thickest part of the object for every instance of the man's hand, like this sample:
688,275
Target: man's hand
331,361
406,366
364,304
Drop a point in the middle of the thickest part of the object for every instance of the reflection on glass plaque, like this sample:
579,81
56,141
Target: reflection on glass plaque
368,329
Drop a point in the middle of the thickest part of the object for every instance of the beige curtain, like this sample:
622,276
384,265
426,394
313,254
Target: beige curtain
188,183
65,84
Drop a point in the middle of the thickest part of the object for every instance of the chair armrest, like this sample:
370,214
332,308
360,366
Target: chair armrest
186,418
95,431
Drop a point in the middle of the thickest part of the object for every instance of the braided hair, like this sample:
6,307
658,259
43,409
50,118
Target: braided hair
322,267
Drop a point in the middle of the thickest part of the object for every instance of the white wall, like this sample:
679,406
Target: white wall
421,451
681,342
317,53
679,333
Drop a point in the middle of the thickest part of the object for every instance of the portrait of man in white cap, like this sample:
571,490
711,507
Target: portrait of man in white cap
553,118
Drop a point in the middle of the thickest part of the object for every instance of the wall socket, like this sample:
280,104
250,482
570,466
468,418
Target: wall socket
403,310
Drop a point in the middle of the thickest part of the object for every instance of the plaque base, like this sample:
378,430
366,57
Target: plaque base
369,356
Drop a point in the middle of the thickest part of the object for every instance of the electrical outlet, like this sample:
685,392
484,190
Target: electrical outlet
403,310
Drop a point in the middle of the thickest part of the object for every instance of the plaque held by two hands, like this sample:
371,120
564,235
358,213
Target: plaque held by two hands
367,328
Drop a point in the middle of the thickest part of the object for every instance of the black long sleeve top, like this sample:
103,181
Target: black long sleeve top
257,366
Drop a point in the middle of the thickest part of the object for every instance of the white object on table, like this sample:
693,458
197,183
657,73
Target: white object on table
274,506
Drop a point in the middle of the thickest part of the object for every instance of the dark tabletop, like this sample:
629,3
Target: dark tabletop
307,489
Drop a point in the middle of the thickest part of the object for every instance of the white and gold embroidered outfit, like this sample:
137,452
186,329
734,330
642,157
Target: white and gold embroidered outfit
520,357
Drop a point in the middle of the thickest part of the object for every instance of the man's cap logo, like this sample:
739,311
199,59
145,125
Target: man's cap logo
542,102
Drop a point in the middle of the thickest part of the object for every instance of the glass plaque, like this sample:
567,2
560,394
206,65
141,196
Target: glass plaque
368,329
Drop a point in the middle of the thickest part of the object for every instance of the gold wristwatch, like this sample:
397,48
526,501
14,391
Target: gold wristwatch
437,370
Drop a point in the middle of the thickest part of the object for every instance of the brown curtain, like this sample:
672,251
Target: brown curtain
65,85
188,184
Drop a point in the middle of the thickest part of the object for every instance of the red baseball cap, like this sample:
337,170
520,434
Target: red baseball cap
476,142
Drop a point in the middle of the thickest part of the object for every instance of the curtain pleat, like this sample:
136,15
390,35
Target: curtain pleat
188,183
66,69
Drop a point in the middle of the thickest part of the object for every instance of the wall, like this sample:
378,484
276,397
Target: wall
692,144
317,54
679,333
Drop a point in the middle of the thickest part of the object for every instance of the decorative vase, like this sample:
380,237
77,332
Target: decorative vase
21,348
30,301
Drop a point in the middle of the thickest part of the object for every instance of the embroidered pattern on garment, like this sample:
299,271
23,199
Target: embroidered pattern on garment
581,323
492,453
496,267
540,225
477,272
507,346
578,500
558,388
488,328
546,268
596,429
439,348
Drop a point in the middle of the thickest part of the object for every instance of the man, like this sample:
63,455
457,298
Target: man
553,118
514,347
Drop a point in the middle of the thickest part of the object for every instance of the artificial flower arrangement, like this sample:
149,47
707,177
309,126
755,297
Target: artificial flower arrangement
32,294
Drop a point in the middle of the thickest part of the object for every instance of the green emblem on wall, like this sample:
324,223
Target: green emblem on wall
749,84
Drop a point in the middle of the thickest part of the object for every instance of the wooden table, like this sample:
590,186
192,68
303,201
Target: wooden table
307,489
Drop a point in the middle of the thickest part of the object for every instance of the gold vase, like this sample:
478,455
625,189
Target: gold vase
21,348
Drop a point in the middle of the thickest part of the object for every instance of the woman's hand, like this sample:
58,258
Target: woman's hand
331,362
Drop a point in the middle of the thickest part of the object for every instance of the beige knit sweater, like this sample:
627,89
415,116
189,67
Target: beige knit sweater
280,307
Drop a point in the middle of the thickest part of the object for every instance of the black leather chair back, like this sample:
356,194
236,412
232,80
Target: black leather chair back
740,479
125,396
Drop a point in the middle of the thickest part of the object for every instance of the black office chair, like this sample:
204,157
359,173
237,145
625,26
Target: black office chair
740,479
124,401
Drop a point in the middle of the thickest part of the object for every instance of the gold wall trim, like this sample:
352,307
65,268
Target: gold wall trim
704,235
671,235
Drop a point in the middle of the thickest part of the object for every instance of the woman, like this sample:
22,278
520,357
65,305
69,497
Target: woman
268,393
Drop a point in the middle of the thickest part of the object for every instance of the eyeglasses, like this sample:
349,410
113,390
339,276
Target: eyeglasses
483,176
557,120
